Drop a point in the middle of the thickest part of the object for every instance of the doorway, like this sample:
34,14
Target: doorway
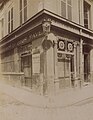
87,67
64,72
26,67
86,50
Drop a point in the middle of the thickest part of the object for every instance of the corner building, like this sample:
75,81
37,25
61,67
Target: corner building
46,45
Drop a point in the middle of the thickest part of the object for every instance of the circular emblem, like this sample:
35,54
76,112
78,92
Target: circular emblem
70,47
46,44
61,45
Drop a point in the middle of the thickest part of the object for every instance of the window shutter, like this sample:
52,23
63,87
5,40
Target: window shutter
11,19
20,4
25,14
86,15
25,10
63,9
20,11
66,9
69,9
9,22
69,12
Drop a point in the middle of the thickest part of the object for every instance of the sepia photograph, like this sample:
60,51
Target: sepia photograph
46,60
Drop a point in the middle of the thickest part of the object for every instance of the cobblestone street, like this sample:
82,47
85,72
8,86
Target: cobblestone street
79,111
13,109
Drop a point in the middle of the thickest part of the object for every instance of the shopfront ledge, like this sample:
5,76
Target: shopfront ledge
12,73
13,78
56,81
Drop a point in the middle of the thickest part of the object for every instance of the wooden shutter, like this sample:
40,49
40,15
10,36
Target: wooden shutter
69,9
63,8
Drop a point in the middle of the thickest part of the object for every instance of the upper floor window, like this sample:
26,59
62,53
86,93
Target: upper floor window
23,11
10,20
66,9
86,15
2,27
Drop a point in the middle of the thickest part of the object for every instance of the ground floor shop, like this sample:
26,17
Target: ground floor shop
57,67
48,59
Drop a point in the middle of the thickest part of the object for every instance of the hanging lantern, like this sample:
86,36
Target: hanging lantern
46,24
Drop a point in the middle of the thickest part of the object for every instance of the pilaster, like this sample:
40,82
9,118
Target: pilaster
50,70
81,62
75,71
51,63
56,81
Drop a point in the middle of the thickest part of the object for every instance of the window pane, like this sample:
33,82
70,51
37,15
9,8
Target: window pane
12,25
25,14
66,68
8,16
11,13
11,19
60,68
69,12
86,23
86,15
63,9
20,17
9,27
20,4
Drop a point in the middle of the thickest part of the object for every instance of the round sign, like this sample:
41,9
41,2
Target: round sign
61,45
46,44
70,47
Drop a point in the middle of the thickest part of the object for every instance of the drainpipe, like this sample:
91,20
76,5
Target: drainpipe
81,63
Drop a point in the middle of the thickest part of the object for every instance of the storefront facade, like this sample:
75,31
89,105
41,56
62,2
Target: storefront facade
48,55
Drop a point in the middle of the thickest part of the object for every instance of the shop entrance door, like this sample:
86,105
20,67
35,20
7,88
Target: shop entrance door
64,72
26,66
86,67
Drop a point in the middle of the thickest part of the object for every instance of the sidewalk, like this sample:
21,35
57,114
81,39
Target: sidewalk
24,96
63,99
72,97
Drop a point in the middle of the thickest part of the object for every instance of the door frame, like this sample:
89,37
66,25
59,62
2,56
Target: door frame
66,60
30,66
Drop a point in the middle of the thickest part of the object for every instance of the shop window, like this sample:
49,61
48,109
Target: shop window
86,50
86,15
86,67
7,61
25,62
23,11
72,64
26,67
66,9
10,20
64,70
